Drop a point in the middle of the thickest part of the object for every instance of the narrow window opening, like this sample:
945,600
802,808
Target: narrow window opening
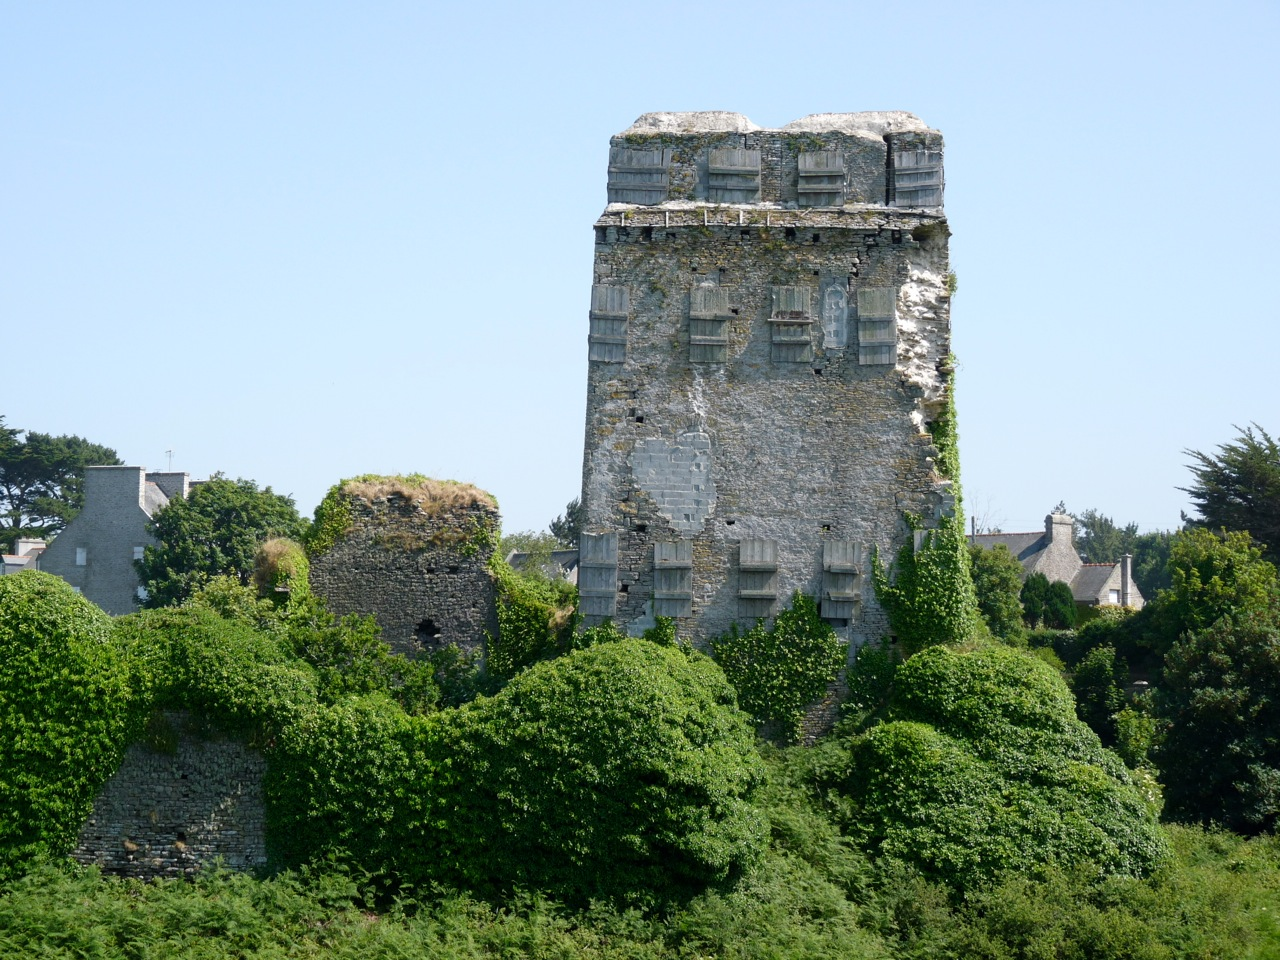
896,236
646,233
639,419
641,527
817,371
623,588
431,569
182,836
600,235
789,233
745,234
826,526
817,237
730,523
734,311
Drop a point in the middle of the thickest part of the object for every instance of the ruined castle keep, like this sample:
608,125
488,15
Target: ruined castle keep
768,348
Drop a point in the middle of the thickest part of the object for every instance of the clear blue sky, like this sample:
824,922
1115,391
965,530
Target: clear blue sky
300,241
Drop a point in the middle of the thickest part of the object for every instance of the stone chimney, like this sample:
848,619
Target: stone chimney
1126,580
1060,528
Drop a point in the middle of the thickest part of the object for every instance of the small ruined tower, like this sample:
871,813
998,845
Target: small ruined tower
769,343
413,552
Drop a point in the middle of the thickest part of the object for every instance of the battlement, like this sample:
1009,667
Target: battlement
826,160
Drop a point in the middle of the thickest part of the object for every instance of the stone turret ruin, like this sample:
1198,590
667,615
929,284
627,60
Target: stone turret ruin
768,349
413,552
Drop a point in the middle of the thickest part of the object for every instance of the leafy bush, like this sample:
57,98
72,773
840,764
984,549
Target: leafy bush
229,675
1219,704
1098,684
779,671
985,769
997,582
66,710
622,770
537,619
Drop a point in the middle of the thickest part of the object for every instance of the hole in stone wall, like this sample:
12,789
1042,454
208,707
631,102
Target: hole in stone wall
817,237
646,233
734,311
623,588
817,371
600,235
427,629
639,419
790,233
815,273
826,526
746,234
453,569
641,527
730,523
896,236
182,836
431,569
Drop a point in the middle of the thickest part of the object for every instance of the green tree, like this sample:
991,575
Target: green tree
216,531
1035,590
567,528
997,581
1059,607
1238,488
42,481
1219,703
1214,575
1098,684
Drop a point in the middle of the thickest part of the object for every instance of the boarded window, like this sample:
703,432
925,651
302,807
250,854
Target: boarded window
598,574
709,317
821,181
673,579
842,564
610,305
82,556
757,578
638,176
917,178
789,324
877,325
733,175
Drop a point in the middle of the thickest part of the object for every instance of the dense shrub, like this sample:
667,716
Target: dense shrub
229,675
622,770
997,582
779,670
984,768
537,620
65,712
930,597
1098,684
1220,706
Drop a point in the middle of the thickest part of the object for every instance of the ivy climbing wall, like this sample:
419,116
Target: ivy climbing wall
768,346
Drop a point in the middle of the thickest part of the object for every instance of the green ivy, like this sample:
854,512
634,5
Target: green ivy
66,713
537,619
780,671
332,521
930,598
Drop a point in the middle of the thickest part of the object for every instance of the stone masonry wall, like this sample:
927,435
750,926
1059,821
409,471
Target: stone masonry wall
167,812
759,445
419,570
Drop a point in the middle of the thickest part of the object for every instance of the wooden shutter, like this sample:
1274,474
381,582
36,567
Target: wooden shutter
842,566
598,574
733,175
877,325
673,579
821,182
789,324
917,178
709,316
638,176
757,578
610,306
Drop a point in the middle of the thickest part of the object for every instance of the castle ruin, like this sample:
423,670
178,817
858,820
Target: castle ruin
769,345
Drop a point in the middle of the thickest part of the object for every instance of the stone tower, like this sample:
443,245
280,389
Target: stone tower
769,346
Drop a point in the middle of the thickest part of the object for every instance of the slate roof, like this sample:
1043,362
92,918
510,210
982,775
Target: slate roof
153,498
1024,546
1089,583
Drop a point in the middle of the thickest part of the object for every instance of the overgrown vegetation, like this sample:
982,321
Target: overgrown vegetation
778,671
537,619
